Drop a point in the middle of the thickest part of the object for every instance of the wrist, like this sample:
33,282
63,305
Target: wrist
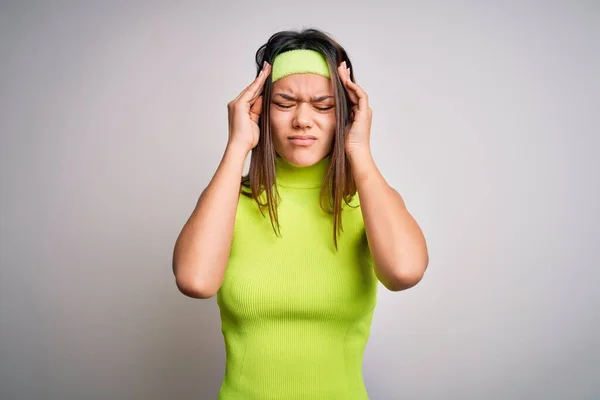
362,163
237,150
359,155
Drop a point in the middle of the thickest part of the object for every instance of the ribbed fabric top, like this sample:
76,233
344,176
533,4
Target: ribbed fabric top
291,176
296,314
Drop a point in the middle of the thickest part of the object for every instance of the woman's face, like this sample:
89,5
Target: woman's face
302,118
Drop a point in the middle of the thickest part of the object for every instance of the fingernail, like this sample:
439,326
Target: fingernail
264,64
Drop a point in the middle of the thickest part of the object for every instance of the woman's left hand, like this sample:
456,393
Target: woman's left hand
358,138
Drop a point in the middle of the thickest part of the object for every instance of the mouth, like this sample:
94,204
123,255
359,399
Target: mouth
302,140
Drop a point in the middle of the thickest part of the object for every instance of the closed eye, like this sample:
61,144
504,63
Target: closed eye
318,108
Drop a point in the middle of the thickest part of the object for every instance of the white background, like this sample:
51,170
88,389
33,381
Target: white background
113,119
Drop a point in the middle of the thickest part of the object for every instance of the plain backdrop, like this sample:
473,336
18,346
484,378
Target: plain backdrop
485,118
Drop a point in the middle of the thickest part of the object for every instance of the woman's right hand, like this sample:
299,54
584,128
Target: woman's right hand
244,111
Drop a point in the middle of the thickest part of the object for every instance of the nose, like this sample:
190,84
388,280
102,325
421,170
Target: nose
303,116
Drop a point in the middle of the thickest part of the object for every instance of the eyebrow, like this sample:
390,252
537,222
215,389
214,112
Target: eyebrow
290,97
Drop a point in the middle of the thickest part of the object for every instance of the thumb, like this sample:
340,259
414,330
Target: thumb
256,109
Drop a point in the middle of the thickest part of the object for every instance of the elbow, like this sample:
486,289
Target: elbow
404,282
407,278
192,279
194,287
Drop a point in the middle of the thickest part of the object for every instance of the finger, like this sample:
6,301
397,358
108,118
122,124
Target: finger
255,88
345,77
363,98
256,109
351,94
249,87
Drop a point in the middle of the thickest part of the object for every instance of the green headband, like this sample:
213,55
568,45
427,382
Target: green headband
300,61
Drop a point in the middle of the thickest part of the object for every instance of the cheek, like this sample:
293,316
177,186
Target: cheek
328,123
276,116
279,121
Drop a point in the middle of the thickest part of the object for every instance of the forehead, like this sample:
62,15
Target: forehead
309,85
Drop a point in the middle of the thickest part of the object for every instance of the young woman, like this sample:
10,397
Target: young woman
295,249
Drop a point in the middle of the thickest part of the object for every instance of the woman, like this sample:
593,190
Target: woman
295,250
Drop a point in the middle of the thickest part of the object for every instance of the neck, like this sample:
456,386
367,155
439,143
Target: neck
290,175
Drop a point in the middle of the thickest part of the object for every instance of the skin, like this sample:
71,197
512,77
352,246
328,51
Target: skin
303,104
396,242
202,248
395,239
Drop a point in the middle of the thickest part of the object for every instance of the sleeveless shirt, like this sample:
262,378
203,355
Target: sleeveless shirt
295,313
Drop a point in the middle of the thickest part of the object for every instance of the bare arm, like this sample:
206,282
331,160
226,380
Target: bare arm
395,239
202,249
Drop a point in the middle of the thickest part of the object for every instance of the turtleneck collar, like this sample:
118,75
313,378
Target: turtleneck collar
290,175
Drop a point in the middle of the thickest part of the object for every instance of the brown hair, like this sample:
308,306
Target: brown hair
338,184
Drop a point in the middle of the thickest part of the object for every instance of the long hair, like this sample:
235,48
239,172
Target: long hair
338,185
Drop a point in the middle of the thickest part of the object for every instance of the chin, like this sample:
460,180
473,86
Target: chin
302,157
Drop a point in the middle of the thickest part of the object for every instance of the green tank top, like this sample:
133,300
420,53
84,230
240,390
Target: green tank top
296,314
